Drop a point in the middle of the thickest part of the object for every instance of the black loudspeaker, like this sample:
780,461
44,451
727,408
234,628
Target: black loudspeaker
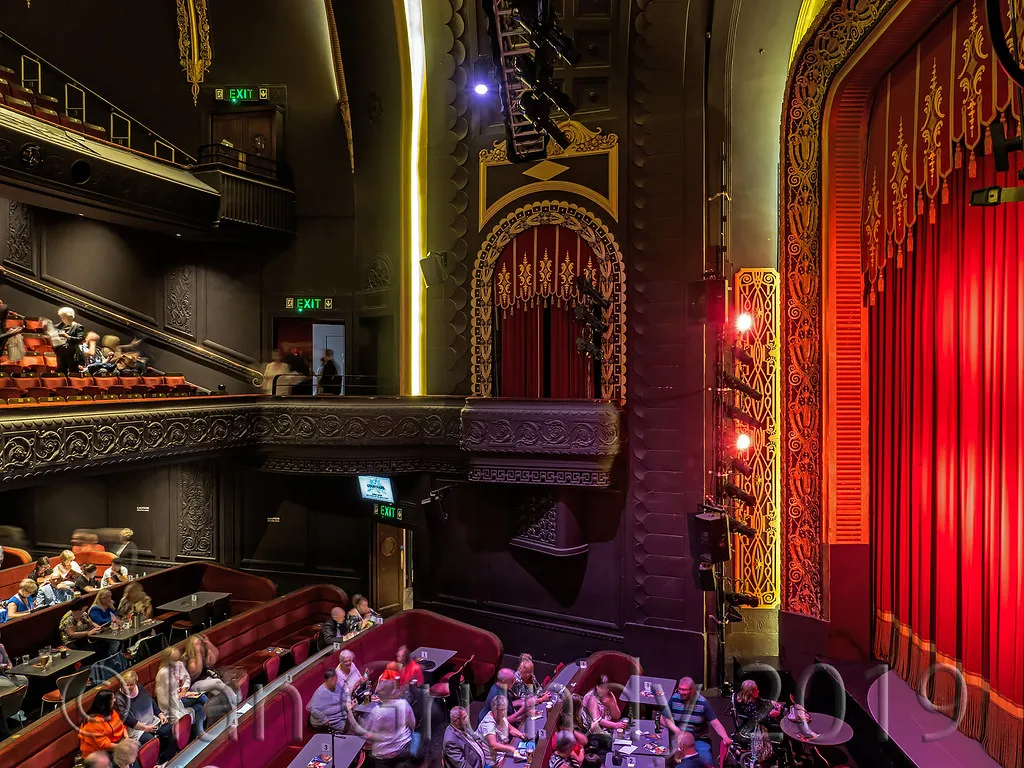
706,577
706,301
714,545
433,268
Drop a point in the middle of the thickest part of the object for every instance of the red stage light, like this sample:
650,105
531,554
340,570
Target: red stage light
744,322
742,441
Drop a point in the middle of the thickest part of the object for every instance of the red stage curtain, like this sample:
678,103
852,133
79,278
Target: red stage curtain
947,486
535,293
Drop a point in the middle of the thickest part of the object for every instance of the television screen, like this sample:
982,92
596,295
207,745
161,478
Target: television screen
376,489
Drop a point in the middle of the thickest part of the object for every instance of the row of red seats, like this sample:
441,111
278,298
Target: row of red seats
42,106
54,389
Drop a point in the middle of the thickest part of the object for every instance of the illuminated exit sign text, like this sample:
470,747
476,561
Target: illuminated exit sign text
239,93
309,303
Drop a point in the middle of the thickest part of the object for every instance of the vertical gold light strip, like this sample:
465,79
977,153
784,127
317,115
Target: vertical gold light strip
757,561
194,43
409,15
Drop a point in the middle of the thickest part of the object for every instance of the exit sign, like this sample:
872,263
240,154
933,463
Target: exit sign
309,303
387,511
237,94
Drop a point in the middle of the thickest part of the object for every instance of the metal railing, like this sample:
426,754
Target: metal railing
236,159
314,385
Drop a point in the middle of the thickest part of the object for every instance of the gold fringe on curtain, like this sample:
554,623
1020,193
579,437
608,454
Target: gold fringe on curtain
1004,734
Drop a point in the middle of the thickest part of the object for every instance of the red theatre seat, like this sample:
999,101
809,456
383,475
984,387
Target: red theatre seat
72,123
21,92
5,87
47,114
96,131
19,104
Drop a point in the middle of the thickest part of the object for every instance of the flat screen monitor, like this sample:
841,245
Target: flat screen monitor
376,489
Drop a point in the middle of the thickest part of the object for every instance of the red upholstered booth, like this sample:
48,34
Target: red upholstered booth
617,666
20,569
14,557
284,721
52,741
30,633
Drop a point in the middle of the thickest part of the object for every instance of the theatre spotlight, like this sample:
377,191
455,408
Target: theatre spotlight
584,315
744,322
733,382
735,492
742,441
741,355
481,89
587,349
587,288
739,465
538,112
525,69
738,414
741,598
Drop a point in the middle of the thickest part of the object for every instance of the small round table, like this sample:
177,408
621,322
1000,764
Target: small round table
831,731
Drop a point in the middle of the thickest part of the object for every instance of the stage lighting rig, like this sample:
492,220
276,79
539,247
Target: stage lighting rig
592,318
525,37
731,491
737,384
738,414
584,315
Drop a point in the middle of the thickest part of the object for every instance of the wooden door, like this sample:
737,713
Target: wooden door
388,569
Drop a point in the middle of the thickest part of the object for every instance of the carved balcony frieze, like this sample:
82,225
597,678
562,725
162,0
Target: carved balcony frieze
543,442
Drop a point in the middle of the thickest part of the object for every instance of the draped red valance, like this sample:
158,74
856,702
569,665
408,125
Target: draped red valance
929,117
540,266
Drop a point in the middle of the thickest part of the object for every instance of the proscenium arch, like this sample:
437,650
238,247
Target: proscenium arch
824,137
613,284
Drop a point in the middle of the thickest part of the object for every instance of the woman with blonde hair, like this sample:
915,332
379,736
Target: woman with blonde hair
135,601
523,693
24,600
200,658
103,611
173,696
67,569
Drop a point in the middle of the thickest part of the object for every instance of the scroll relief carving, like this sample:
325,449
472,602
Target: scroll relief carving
197,517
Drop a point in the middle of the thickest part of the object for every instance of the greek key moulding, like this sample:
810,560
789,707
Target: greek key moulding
194,43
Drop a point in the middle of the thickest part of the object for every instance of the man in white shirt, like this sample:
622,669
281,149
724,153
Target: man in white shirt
390,725
348,671
117,573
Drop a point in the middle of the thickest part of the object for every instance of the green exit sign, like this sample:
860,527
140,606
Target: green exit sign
309,303
387,511
237,94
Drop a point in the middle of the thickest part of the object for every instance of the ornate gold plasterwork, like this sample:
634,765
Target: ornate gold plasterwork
610,276
757,561
194,43
584,142
933,120
972,54
839,30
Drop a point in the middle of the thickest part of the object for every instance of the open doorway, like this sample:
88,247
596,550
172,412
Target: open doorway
329,336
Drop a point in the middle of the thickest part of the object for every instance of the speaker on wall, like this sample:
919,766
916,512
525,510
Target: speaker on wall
714,545
434,268
706,301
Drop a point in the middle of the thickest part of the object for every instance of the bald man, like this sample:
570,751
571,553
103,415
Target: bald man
686,755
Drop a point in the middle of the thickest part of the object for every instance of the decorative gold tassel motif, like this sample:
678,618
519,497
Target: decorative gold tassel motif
972,166
881,282
931,211
945,192
920,203
958,156
988,141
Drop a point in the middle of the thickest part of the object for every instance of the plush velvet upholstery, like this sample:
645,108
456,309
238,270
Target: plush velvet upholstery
14,557
30,633
51,741
285,722
10,578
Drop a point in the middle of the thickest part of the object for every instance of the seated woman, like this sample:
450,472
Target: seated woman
566,724
172,692
42,572
76,628
601,708
201,656
87,581
412,672
22,601
751,710
103,729
564,751
67,569
142,716
126,754
497,732
523,693
102,612
360,615
135,601
7,680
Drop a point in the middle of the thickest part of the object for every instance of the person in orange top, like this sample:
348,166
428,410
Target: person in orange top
103,729
412,672
391,672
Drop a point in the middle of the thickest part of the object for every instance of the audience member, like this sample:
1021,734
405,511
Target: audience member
686,754
92,350
349,672
24,600
564,755
103,728
142,716
52,593
333,629
126,753
135,601
601,708
412,672
102,611
360,615
389,727
76,627
87,582
172,691
98,759
497,732
7,680
502,687
127,551
228,696
42,572
330,704
565,724
276,368
201,656
67,569
116,573
330,376
69,353
462,747
687,710
523,693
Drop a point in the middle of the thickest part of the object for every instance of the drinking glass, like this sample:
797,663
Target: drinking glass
25,659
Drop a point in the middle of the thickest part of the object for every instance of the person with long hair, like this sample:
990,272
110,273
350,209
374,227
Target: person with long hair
173,694
67,569
566,723
43,571
201,657
601,708
523,695
103,728
752,710
24,600
102,611
134,601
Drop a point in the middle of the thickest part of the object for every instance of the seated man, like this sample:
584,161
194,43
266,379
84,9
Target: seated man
330,704
87,581
332,630
503,687
686,755
142,716
76,627
461,747
688,711
52,593
117,573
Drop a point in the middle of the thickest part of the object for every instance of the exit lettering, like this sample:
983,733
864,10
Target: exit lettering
303,304
240,94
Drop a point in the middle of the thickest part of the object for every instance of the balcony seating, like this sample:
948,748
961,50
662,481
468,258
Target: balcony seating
96,131
53,741
19,104
14,557
21,92
48,102
72,123
47,114
5,87
271,737
56,388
